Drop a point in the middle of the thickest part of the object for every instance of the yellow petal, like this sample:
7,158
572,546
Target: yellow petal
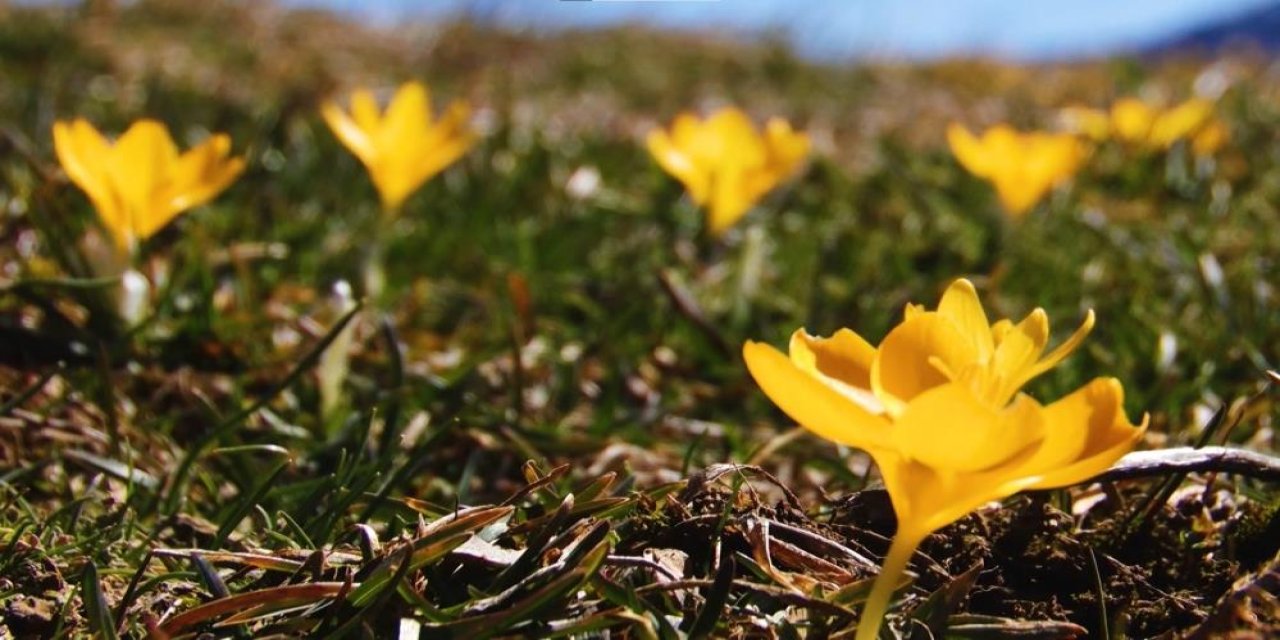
85,155
1018,195
785,148
912,310
679,164
199,175
446,141
1180,122
968,150
1131,119
1060,352
399,143
365,112
730,137
1051,159
1019,348
1094,123
999,329
1085,433
82,152
141,162
904,364
730,200
949,428
812,403
685,129
960,305
845,356
926,499
356,139
408,114
1210,139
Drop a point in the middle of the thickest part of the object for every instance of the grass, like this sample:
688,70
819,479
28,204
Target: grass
534,437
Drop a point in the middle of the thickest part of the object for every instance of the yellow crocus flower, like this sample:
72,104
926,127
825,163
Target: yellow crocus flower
1131,120
937,405
1094,124
140,183
724,161
1211,138
1136,122
1022,166
1180,122
402,147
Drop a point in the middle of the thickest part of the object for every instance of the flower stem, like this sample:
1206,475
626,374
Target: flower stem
895,564
374,276
750,267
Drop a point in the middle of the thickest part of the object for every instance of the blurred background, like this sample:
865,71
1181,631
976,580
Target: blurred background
839,30
917,29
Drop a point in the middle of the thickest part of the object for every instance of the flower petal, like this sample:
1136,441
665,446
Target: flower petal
999,329
1211,138
1180,122
1017,350
84,154
960,304
926,499
365,112
1085,433
729,136
446,141
675,161
950,429
141,162
1131,119
785,148
685,129
845,356
731,198
1094,123
968,150
904,365
912,310
408,113
812,403
1060,352
1017,194
355,138
199,175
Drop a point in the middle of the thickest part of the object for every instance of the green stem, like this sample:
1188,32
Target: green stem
750,267
895,564
374,276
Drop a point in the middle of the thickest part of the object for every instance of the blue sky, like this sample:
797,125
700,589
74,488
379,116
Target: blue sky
834,29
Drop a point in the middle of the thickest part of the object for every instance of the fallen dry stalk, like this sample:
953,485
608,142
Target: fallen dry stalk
1189,459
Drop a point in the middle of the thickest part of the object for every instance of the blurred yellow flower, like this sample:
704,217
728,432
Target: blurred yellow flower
724,161
937,405
141,182
1136,122
402,147
1022,166
1213,137
1091,123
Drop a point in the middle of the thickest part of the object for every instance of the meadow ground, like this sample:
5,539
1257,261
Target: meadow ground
547,429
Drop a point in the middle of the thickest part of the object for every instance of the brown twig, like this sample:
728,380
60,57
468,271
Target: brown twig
1141,464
